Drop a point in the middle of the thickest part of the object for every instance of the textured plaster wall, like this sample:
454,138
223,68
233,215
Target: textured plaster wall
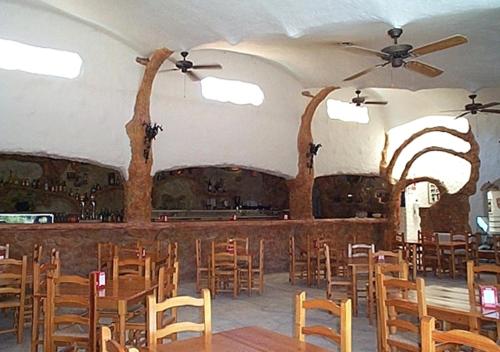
348,147
204,132
81,118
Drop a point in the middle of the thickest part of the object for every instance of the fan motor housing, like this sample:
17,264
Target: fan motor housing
398,53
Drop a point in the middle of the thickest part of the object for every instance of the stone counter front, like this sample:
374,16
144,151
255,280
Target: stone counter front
77,243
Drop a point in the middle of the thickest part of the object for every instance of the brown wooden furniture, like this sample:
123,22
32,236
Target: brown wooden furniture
244,260
40,273
70,312
248,339
4,251
105,254
431,254
359,256
431,337
398,314
342,338
455,251
132,267
339,287
107,344
496,247
13,291
256,275
156,331
378,257
202,271
168,285
297,260
224,268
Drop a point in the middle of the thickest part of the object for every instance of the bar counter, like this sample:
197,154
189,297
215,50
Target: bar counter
77,242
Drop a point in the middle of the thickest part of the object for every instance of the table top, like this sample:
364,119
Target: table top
452,244
247,339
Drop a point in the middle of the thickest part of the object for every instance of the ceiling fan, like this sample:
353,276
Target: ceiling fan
362,100
473,108
186,66
398,54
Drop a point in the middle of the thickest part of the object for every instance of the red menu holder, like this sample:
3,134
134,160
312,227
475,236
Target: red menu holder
381,259
100,279
230,246
488,296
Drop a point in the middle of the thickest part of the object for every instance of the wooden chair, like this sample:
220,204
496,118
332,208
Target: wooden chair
298,261
399,316
431,254
379,257
338,288
107,344
496,247
168,285
13,291
461,255
4,251
224,267
40,273
70,312
483,274
359,253
256,277
202,272
105,254
155,331
431,337
132,267
342,338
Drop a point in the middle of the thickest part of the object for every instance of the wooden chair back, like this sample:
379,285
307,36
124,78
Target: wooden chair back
360,252
71,302
168,282
105,254
172,253
132,267
241,243
396,310
131,251
224,266
297,261
37,252
107,344
156,331
496,248
343,337
478,275
432,337
13,280
4,251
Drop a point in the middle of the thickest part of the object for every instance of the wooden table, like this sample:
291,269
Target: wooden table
451,304
452,246
118,295
248,339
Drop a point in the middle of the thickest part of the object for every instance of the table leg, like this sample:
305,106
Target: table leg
122,315
249,278
452,262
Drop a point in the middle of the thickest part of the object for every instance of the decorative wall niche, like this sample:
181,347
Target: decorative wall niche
347,196
217,188
44,184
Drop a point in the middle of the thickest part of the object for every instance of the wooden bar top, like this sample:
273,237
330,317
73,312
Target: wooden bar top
248,339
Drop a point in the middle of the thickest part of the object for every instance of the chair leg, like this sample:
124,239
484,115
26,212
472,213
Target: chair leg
34,325
20,324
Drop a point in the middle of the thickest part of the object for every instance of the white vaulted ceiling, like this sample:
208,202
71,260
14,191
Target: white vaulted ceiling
300,35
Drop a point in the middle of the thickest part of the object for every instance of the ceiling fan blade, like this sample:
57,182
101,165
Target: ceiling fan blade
307,93
168,70
489,105
424,69
376,102
493,111
462,115
207,67
442,44
193,76
458,110
366,51
172,59
364,72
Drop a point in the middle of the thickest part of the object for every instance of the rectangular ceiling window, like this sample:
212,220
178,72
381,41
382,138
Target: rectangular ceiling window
34,59
339,110
235,92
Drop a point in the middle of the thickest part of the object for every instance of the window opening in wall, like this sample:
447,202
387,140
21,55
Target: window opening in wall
231,91
339,110
33,59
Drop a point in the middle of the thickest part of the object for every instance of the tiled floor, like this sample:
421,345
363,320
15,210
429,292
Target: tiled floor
273,310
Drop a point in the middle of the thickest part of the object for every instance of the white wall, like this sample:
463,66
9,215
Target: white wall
348,147
81,118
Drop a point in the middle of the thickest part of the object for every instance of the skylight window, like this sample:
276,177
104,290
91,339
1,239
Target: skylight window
231,91
44,61
339,110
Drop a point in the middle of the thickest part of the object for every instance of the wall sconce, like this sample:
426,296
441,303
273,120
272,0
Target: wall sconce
313,151
150,132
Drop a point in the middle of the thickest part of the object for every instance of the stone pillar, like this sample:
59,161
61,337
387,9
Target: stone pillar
139,185
300,188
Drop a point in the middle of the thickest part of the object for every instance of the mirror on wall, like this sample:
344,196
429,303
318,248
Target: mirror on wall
72,191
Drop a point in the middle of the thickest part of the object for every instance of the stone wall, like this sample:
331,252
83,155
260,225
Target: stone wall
78,242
